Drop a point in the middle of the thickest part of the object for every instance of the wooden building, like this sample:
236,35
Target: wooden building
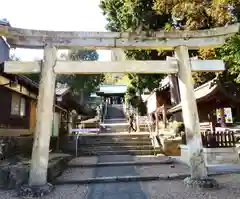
18,102
163,98
113,94
212,96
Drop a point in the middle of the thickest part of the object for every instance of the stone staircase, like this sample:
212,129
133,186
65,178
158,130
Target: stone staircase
115,120
121,144
116,140
116,157
115,111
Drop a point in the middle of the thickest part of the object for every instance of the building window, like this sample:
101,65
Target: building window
18,106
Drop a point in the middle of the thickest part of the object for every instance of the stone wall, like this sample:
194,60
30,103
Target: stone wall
11,146
221,156
171,146
14,174
213,156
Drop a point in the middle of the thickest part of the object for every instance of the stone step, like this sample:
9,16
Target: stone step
113,179
106,142
116,164
118,136
114,139
70,148
115,147
123,152
111,143
120,170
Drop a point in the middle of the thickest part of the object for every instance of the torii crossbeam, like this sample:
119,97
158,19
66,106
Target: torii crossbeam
179,41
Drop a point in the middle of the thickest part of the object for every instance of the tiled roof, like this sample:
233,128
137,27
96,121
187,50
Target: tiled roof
113,89
201,92
61,89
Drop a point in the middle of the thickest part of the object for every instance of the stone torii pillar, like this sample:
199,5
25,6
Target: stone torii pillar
40,151
190,114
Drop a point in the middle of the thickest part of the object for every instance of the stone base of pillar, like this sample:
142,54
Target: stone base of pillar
27,191
201,183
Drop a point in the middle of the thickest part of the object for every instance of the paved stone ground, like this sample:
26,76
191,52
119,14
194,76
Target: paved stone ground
116,190
229,189
110,171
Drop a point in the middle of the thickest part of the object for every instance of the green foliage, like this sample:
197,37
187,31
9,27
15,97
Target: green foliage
131,97
135,101
230,53
149,15
135,16
86,83
121,79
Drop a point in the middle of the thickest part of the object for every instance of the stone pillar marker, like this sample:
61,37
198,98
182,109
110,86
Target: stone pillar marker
40,152
190,114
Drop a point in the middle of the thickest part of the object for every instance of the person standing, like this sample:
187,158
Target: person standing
131,124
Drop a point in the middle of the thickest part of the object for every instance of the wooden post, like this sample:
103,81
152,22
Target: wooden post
190,114
164,113
157,123
174,89
40,152
222,118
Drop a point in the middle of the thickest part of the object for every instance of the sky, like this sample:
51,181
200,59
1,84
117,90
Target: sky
70,15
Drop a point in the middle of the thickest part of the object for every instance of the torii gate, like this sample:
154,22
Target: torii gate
179,41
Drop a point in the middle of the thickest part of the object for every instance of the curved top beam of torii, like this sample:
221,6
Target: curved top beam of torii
27,38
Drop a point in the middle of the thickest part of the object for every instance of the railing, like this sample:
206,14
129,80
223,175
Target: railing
76,150
79,131
219,139
148,124
105,111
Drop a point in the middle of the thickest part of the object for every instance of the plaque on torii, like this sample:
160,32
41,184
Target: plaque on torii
179,41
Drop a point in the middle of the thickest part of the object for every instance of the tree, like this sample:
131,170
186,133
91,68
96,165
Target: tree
82,83
152,15
230,53
137,15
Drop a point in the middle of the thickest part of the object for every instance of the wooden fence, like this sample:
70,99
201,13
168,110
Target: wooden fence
223,139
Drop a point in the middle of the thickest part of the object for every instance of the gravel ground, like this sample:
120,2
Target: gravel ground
229,189
60,192
69,192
